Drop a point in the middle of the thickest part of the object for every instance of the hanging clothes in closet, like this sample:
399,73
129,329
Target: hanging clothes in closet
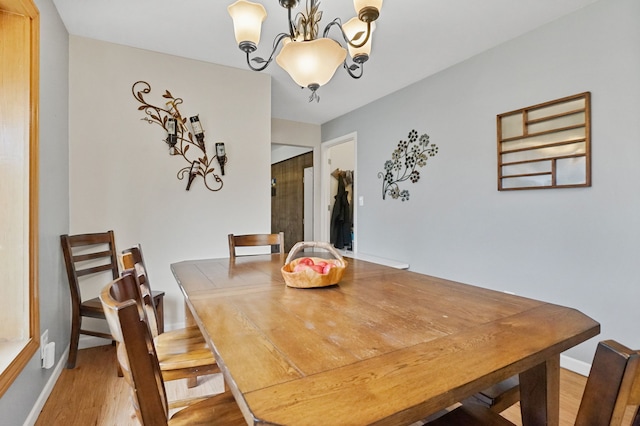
342,215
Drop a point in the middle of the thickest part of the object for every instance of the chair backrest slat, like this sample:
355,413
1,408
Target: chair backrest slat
611,385
93,270
98,249
92,256
128,323
255,240
131,256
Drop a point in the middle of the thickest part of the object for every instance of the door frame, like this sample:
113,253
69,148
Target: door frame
325,184
308,216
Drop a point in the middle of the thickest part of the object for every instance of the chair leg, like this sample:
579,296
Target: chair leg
73,343
636,418
192,382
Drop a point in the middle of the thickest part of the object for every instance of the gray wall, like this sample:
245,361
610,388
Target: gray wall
576,247
17,402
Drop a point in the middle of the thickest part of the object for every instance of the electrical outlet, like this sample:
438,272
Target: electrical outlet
44,340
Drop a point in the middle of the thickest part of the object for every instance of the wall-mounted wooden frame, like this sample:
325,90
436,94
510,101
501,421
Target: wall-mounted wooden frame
19,101
546,145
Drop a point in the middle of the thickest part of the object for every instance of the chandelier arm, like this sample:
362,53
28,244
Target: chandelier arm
292,31
351,73
276,42
338,22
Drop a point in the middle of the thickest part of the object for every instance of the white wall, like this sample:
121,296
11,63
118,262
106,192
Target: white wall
575,247
122,177
285,152
286,132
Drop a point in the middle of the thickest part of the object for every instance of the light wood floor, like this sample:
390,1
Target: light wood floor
92,394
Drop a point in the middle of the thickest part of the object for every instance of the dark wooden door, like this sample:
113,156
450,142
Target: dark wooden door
287,198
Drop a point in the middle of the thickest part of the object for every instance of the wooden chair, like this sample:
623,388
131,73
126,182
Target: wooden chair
612,385
129,258
255,240
182,353
86,256
139,362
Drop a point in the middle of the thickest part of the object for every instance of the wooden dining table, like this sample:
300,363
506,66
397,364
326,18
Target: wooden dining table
384,346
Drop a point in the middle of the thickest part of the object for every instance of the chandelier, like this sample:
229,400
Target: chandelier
311,61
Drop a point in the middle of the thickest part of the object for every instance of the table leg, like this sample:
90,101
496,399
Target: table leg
189,322
540,394
160,314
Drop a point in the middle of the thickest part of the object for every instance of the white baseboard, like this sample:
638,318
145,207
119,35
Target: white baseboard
91,342
575,365
46,391
374,259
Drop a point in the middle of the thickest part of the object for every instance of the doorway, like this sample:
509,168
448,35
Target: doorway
291,202
338,159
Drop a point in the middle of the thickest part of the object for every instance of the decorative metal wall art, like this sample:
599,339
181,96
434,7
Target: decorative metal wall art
410,154
182,141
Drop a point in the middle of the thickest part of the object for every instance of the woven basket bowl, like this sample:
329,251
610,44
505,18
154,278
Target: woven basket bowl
308,278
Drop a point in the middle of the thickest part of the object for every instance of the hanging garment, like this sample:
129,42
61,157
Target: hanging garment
341,219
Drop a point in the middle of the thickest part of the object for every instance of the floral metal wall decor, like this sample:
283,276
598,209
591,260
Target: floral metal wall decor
181,141
410,154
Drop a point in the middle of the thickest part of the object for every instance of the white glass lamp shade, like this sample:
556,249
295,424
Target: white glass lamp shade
311,62
354,26
247,20
361,4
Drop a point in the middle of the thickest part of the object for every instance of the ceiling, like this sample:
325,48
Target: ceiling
413,40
